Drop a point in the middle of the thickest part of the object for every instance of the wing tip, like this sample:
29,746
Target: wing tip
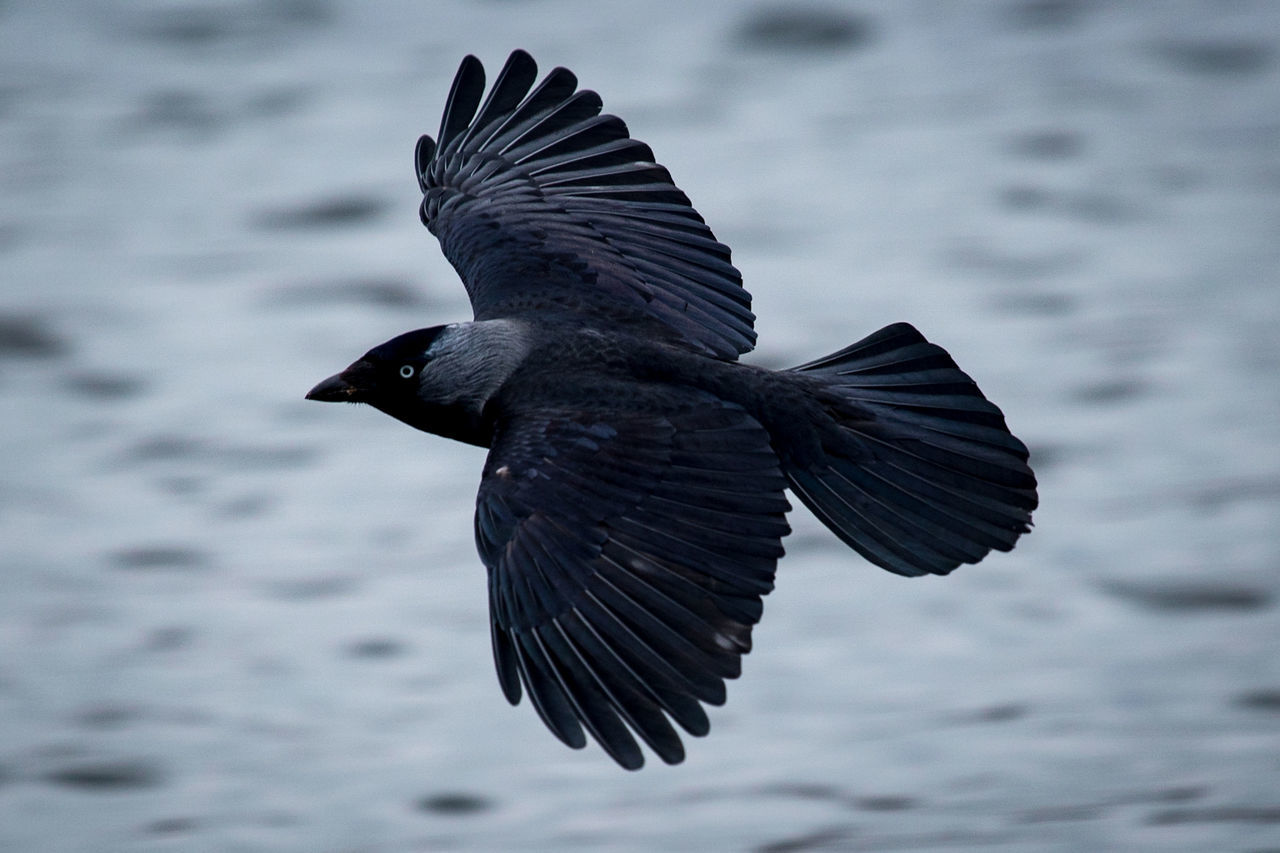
464,98
423,152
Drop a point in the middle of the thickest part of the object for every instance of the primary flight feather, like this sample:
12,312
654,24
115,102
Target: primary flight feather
633,504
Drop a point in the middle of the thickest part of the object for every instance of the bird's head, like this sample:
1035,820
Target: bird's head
438,380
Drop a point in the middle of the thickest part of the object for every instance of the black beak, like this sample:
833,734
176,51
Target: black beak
349,386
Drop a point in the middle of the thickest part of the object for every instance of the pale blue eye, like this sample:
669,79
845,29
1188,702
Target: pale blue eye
406,371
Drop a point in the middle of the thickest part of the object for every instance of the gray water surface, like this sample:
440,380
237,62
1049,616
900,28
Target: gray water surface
231,620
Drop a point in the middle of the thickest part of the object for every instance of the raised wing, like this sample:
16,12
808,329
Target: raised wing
627,558
544,205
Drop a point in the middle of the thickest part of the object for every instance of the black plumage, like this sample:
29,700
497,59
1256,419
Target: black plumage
632,508
541,186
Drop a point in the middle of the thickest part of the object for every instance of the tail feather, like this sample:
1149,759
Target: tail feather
922,474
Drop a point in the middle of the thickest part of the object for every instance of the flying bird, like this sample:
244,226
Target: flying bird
632,507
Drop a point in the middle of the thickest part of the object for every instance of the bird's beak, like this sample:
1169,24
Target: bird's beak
350,386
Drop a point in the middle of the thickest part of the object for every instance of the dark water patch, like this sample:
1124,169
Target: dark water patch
1046,14
181,486
1216,814
1128,339
164,448
1099,209
244,507
27,336
992,263
11,236
264,457
388,293
327,213
1178,177
185,110
1048,145
10,95
850,838
171,826
1263,699
171,448
1074,812
1179,794
1188,596
108,716
1229,492
278,819
216,25
125,775
820,792
1093,811
885,803
1061,814
375,648
1004,713
1029,304
168,638
805,28
277,102
1093,208
188,26
813,791
1216,58
308,589
1172,794
300,13
149,557
1109,392
455,803
1023,197
829,838
104,386
1046,455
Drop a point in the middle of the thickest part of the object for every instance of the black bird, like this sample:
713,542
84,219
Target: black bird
632,507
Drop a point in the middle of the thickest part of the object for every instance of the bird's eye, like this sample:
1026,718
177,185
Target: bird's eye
406,371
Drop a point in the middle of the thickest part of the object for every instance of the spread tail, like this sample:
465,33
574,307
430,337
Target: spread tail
920,473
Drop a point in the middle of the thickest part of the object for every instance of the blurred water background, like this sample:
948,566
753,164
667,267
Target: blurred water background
231,620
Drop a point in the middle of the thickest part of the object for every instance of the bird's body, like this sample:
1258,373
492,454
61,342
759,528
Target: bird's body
632,507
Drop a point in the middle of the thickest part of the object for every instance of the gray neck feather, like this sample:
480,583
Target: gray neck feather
470,361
